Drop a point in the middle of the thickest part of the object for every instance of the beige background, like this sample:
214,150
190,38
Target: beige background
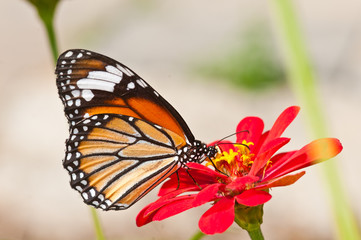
161,40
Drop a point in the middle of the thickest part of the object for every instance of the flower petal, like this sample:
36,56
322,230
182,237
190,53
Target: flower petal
201,174
158,211
282,122
253,197
207,194
282,181
218,218
315,152
177,185
240,183
266,152
252,127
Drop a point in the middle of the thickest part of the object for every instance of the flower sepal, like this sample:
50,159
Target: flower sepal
250,219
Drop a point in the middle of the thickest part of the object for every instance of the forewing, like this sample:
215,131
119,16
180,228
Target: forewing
90,83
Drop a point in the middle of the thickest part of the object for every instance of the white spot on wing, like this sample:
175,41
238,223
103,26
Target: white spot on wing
75,93
92,192
79,55
130,85
86,83
68,54
141,83
85,196
114,70
125,70
105,76
87,95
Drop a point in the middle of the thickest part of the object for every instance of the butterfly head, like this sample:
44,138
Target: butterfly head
198,152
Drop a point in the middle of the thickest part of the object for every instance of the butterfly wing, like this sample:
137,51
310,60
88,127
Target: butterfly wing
124,137
114,160
90,83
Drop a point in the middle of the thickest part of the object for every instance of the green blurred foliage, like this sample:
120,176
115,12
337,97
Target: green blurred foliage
252,64
46,11
45,8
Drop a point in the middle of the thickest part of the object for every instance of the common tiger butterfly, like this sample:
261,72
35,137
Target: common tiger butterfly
125,138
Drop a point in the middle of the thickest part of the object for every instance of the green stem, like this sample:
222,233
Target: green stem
250,219
197,236
98,229
256,234
49,27
46,11
303,82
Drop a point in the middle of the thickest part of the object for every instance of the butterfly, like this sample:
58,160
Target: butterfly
125,138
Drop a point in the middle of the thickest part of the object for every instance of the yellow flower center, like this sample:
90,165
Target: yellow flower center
234,164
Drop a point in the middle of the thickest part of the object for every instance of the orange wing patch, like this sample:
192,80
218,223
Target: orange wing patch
118,188
152,132
121,125
90,64
101,178
94,147
92,163
145,149
156,114
146,187
107,134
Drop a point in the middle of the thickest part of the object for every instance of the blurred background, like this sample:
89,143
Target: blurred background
215,62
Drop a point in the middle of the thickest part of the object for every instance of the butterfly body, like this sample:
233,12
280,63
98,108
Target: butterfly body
125,138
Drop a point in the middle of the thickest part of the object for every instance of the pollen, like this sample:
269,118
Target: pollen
236,161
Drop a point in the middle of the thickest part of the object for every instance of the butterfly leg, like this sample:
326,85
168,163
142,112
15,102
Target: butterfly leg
192,178
178,180
214,165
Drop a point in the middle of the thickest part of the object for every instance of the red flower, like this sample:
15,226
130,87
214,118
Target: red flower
247,170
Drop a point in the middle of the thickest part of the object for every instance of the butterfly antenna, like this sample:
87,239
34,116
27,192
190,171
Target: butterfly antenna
240,144
230,135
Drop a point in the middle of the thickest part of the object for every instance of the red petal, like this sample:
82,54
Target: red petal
254,126
260,143
207,194
201,174
280,158
143,219
168,208
218,218
240,182
315,152
173,184
205,174
282,122
266,152
253,197
282,181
